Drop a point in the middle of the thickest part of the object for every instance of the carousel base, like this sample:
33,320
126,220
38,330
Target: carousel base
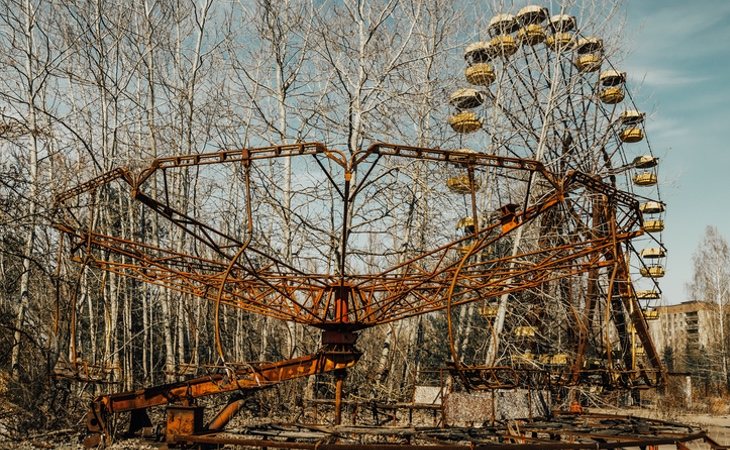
561,431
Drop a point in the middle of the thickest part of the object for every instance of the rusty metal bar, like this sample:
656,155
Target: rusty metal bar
230,439
256,377
94,183
339,379
450,156
631,304
239,155
225,415
378,298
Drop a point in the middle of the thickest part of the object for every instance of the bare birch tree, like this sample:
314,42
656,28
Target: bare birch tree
711,282
27,40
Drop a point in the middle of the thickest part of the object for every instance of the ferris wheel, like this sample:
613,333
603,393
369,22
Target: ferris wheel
538,88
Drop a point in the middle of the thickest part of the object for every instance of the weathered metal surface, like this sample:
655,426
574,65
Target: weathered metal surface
278,290
347,300
183,421
563,431
257,376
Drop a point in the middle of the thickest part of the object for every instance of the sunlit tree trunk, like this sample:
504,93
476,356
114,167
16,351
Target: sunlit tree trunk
31,91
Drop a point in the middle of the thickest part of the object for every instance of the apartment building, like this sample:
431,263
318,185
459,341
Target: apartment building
686,327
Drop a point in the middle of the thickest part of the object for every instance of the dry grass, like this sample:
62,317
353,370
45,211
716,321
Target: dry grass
718,406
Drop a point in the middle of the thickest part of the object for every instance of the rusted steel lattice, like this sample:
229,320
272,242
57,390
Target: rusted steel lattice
451,272
532,229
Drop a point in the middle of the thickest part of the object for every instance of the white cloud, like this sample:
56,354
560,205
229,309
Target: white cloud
666,129
661,77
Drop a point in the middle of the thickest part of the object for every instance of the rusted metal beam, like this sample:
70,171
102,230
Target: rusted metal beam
636,315
238,156
260,376
372,300
94,183
257,376
225,415
451,156
518,442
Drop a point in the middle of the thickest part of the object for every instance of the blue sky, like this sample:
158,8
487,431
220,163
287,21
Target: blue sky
679,73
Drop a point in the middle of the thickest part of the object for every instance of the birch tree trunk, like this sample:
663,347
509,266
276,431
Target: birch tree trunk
32,89
711,282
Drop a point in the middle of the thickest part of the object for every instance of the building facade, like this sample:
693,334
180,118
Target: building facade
685,329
